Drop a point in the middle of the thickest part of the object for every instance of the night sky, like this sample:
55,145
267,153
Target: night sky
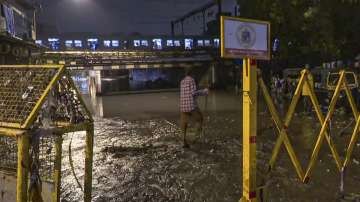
116,16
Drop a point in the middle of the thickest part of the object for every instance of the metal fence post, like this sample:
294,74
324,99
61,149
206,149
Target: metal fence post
249,130
57,169
88,162
22,167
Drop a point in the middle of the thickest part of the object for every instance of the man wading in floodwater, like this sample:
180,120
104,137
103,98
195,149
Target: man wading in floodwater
188,105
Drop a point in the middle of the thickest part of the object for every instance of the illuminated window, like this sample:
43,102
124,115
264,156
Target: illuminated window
170,43
200,43
144,43
53,40
189,44
217,42
157,44
78,43
107,43
177,43
93,43
38,42
54,43
136,43
207,43
115,43
68,43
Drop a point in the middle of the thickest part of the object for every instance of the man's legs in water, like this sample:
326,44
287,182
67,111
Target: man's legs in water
199,119
184,121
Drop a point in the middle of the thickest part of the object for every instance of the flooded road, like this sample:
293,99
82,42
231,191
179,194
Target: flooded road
138,154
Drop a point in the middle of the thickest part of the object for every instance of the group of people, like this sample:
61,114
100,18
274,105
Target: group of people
281,88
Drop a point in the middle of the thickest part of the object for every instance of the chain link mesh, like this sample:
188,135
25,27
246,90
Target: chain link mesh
47,157
20,89
69,107
8,153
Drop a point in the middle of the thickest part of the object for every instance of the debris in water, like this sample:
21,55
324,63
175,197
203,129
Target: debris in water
142,160
25,95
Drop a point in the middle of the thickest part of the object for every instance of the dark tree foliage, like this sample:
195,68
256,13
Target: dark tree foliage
310,31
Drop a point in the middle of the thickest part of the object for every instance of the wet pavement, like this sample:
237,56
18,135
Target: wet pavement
139,155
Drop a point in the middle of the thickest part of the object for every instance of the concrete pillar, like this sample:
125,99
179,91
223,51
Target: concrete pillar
95,82
213,74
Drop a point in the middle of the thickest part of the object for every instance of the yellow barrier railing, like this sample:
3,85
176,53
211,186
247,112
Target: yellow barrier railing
282,126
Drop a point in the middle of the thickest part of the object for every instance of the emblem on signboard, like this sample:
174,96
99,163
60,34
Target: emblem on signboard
246,35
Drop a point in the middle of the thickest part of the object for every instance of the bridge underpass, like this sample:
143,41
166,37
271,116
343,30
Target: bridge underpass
114,72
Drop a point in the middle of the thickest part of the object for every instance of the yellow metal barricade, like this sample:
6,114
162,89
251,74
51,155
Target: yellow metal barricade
282,126
26,92
306,88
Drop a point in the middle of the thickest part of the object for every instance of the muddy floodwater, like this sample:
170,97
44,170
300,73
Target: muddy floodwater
138,154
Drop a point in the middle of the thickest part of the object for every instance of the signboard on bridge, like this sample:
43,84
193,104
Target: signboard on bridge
245,38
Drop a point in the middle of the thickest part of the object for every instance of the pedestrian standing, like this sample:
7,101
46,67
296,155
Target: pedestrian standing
188,105
281,94
274,87
290,89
